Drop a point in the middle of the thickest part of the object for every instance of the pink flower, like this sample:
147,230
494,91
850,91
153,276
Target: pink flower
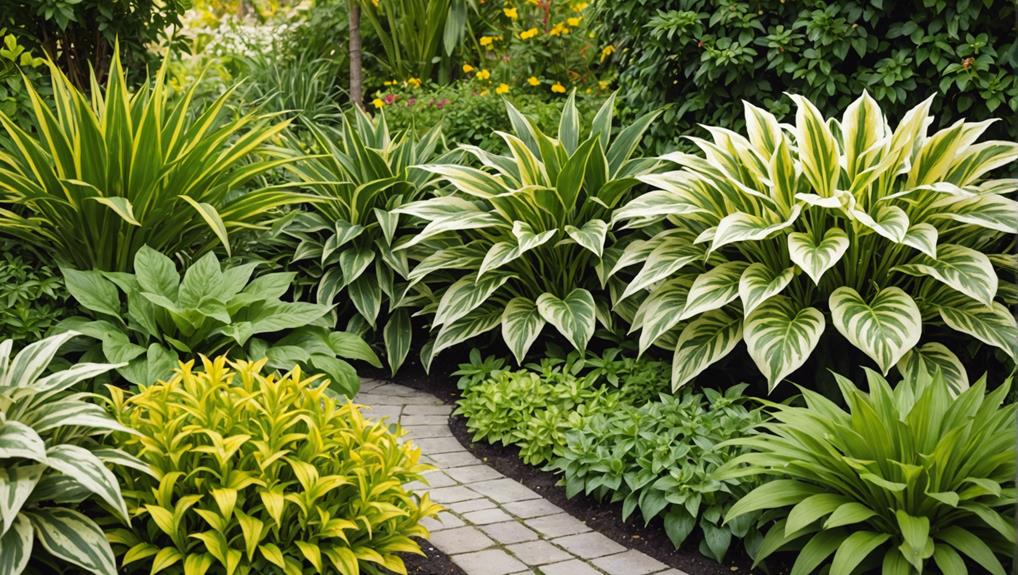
390,98
411,102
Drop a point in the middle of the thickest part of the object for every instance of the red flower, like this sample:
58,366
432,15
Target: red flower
390,98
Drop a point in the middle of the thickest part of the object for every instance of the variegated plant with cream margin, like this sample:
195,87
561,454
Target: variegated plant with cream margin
524,234
845,224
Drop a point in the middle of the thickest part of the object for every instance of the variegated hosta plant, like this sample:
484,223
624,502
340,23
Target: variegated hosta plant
881,233
524,234
263,473
51,462
363,173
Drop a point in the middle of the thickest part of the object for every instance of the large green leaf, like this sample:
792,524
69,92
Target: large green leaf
815,258
884,328
993,325
521,325
714,289
854,550
962,268
705,340
156,273
92,291
72,537
759,283
573,316
781,335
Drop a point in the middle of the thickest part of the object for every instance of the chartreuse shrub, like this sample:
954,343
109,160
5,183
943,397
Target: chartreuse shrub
363,174
772,238
51,461
262,473
100,176
662,459
527,231
908,480
148,319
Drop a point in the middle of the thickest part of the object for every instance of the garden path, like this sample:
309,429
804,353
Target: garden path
494,525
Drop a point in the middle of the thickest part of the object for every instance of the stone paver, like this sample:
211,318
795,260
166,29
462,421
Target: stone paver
493,525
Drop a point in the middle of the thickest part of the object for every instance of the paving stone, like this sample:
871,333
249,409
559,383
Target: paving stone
376,397
437,445
474,473
532,508
471,505
379,411
556,525
432,479
428,409
426,431
486,516
443,520
672,572
509,532
452,460
488,562
571,567
461,540
452,494
631,562
538,552
589,545
504,490
409,420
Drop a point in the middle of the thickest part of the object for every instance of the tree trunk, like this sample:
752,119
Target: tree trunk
356,89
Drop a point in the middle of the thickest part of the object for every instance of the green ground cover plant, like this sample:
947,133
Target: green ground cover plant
903,480
51,461
255,472
149,319
32,295
885,235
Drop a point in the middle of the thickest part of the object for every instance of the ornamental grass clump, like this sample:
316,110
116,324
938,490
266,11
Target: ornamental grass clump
263,473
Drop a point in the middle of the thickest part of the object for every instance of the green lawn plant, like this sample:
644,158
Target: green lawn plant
52,460
362,175
886,235
151,318
100,175
528,230
902,481
263,473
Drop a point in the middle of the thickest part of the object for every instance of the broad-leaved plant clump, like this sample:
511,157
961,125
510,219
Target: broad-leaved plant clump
257,472
527,231
885,235
904,480
150,318
51,461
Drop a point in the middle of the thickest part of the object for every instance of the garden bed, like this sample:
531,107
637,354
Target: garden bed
434,562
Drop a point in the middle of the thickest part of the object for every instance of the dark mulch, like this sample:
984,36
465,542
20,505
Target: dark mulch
433,563
603,516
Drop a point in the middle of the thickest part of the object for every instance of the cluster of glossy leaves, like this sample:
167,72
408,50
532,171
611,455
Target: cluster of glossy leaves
909,480
662,459
52,460
32,294
256,473
211,310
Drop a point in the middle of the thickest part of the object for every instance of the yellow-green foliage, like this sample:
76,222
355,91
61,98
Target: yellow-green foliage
262,474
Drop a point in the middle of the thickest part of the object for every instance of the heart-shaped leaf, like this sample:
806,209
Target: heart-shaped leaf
816,258
705,340
573,316
780,336
521,324
884,328
759,282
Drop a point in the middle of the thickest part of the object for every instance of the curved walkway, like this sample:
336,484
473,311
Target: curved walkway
494,525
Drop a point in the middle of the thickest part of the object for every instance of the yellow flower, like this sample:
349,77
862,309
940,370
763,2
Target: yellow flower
558,30
528,34
375,2
579,6
558,88
502,89
486,40
484,92
414,82
391,83
510,13
483,75
533,81
607,51
574,21
603,84
467,68
378,103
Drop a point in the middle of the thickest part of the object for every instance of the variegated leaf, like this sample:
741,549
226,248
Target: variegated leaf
890,222
20,440
816,258
762,128
353,262
467,256
714,289
16,484
818,150
33,360
590,236
993,325
741,227
468,221
922,237
521,324
862,126
661,310
481,320
470,181
935,356
668,257
573,316
655,204
704,341
961,268
884,328
780,336
989,211
759,283
466,294
72,537
397,336
16,544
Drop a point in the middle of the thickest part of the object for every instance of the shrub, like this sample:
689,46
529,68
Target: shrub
32,295
528,231
52,462
897,479
213,310
663,459
16,60
890,234
702,57
262,473
117,171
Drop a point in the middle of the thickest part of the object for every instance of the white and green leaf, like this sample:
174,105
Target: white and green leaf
884,328
815,258
759,283
521,325
574,316
714,289
780,336
702,342
932,357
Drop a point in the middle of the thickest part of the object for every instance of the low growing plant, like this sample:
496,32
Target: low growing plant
909,480
263,473
885,235
51,460
32,295
160,317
